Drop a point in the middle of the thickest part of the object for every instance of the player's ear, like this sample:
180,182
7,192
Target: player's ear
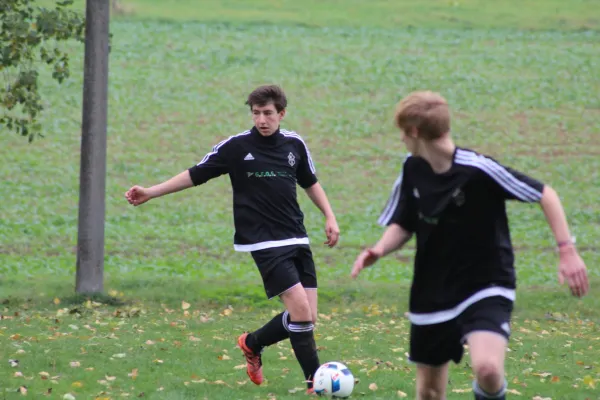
412,132
282,113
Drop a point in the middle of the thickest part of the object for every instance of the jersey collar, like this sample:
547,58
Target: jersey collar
256,133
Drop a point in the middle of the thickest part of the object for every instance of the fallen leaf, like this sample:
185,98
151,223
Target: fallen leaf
13,363
56,301
44,375
22,390
68,396
133,374
75,364
373,386
401,393
18,374
555,379
241,366
589,381
185,305
77,384
542,374
224,357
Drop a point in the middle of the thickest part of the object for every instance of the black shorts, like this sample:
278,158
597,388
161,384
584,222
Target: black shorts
284,267
437,344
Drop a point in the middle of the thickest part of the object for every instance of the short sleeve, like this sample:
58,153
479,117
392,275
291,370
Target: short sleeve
306,173
401,207
213,164
519,186
511,184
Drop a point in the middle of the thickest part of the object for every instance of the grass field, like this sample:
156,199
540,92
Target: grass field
522,78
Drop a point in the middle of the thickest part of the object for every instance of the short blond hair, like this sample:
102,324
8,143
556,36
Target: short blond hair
426,111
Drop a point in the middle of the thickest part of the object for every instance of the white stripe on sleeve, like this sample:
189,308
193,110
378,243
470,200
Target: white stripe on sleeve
293,134
216,148
392,203
521,190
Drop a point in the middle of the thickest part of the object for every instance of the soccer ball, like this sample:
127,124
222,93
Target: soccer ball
333,379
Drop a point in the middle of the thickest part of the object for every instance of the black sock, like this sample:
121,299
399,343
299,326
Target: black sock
305,348
272,332
481,394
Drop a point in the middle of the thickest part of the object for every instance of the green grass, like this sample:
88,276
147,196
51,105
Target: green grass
523,84
137,344
482,14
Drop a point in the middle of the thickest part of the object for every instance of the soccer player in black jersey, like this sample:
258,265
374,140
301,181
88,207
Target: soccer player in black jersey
453,200
264,164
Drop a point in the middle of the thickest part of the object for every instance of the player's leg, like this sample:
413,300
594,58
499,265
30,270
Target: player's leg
311,294
308,277
301,329
432,347
487,360
306,354
272,266
431,382
486,329
270,333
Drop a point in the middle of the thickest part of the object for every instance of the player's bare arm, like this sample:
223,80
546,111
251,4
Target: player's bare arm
571,267
392,239
138,195
319,198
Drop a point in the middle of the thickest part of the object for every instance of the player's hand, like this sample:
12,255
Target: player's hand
365,259
137,195
332,231
572,269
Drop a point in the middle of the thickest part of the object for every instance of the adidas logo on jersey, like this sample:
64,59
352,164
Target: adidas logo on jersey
249,157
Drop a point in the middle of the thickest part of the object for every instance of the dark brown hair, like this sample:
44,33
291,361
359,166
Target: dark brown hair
263,95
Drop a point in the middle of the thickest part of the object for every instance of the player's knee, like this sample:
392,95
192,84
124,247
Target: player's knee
430,393
489,374
300,311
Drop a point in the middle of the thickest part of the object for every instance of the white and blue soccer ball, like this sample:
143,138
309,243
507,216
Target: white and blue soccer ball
333,379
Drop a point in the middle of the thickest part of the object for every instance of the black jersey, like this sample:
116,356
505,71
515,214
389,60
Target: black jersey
464,251
264,172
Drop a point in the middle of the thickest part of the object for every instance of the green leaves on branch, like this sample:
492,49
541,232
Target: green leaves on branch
29,37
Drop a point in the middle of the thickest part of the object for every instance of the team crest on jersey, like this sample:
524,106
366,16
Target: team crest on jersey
291,159
416,193
459,197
